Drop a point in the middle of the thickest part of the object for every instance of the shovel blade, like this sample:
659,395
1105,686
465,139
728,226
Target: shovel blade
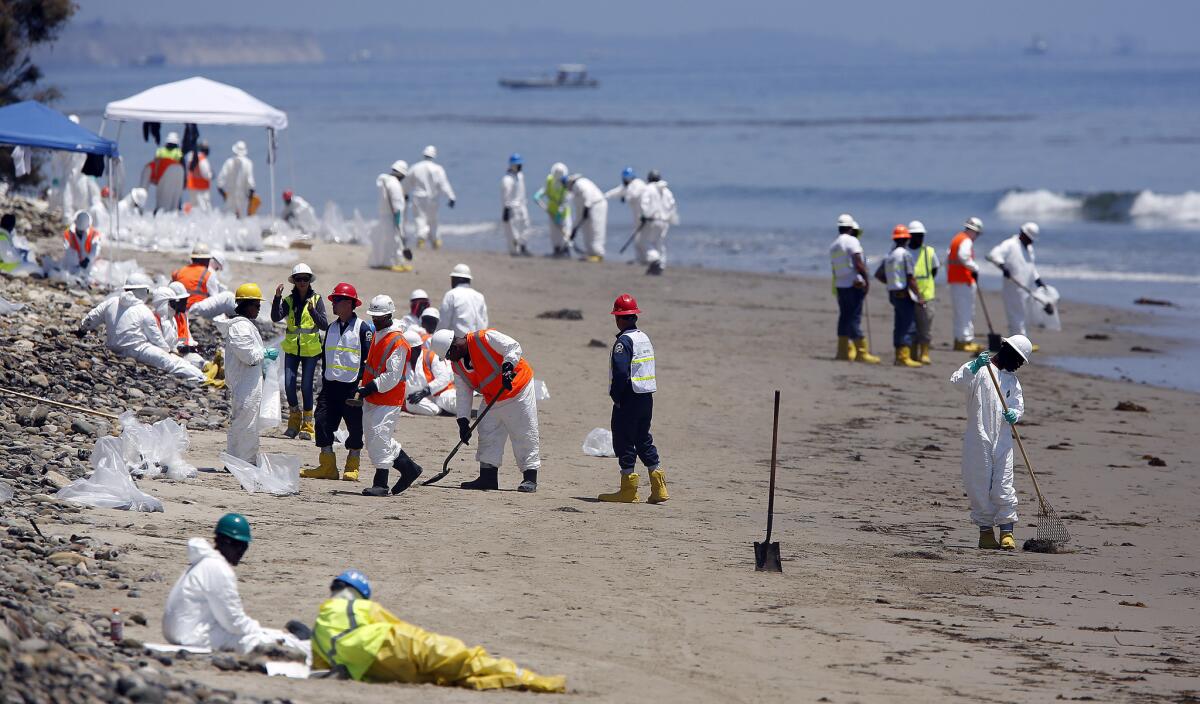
994,341
766,557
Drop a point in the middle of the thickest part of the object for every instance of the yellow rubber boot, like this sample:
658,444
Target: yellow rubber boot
401,268
987,540
658,487
924,358
971,347
306,426
1006,540
293,423
627,494
327,469
864,352
845,350
903,359
437,244
351,472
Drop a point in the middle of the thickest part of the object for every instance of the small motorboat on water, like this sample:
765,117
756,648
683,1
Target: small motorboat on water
568,76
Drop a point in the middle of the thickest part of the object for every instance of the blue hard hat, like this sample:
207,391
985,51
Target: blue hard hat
628,173
564,180
515,159
355,579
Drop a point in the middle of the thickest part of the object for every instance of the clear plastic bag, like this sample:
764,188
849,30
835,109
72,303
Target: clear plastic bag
540,391
1035,307
7,307
275,474
270,409
598,443
151,450
110,485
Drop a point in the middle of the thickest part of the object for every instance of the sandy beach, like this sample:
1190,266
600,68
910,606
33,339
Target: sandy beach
884,596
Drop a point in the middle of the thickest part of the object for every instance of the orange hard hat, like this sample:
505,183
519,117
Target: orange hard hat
625,305
346,290
900,232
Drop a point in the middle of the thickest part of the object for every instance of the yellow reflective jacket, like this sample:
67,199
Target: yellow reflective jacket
350,632
923,273
304,339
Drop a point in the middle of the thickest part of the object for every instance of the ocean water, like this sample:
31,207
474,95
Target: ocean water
762,157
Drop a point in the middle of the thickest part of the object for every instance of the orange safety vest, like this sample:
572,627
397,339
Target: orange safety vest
484,377
196,182
181,328
956,273
158,167
427,357
87,248
194,278
382,348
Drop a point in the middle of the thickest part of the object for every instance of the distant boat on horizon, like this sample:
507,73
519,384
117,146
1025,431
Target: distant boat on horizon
1038,46
568,76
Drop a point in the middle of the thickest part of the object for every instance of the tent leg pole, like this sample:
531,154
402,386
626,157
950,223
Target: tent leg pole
271,158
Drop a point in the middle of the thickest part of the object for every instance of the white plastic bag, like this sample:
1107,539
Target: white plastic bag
151,450
110,485
598,443
1035,308
6,493
540,392
7,307
276,474
270,409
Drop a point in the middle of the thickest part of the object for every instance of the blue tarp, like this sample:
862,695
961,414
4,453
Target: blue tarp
32,124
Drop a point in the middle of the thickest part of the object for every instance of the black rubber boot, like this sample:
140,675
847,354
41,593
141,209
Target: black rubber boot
486,481
409,471
529,485
379,485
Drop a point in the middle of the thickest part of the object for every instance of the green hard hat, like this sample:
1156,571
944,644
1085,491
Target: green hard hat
235,526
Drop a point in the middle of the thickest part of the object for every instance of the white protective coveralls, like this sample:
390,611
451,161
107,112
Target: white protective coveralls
72,260
512,197
201,198
161,303
244,378
388,240
300,215
379,421
134,203
1019,260
630,194
512,419
131,330
463,310
657,204
222,303
237,180
962,296
168,193
429,182
439,399
204,609
987,459
593,228
69,187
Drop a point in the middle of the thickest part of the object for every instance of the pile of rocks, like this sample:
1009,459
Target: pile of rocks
34,219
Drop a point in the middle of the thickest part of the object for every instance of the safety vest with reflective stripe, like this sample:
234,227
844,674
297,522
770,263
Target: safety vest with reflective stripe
344,634
556,195
427,357
196,182
163,159
641,368
183,331
382,349
7,266
956,271
343,351
923,273
484,376
302,338
194,278
86,249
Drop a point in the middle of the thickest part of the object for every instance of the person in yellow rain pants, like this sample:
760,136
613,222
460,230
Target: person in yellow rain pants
361,639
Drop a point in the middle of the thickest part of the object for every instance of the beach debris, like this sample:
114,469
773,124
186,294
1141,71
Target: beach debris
599,443
1138,604
562,314
931,448
1153,302
919,555
1046,546
1130,406
1096,336
1154,461
597,343
1139,348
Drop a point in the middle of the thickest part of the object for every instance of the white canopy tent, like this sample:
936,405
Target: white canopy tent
201,101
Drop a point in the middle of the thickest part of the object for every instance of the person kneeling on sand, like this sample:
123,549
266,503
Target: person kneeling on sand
987,461
361,640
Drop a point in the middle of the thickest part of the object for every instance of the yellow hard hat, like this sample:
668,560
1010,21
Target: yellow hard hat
248,292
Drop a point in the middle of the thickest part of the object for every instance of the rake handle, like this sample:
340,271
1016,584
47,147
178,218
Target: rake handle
73,407
983,304
1021,445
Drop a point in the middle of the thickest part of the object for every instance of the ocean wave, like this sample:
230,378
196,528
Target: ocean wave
1110,206
1083,273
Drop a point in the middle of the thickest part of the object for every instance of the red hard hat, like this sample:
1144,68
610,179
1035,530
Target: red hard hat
287,195
346,291
625,305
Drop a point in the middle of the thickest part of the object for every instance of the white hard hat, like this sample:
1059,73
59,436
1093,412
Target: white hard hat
845,220
73,118
1030,230
429,152
139,196
558,170
441,341
400,166
412,337
301,268
461,271
83,221
172,138
916,227
239,148
178,290
1021,344
418,293
162,294
201,251
974,224
381,305
138,280
219,257
432,312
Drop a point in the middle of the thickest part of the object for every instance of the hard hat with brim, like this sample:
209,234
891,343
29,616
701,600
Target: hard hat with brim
431,312
441,341
234,526
900,232
302,269
1021,345
248,292
625,305
357,580
381,305
345,290
461,271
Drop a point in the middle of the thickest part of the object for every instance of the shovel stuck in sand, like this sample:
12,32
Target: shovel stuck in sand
766,553
994,339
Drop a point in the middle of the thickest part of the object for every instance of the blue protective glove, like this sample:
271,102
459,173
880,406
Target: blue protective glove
1010,416
979,362
397,219
271,353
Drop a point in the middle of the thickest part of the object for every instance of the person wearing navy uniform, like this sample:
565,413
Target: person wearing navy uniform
631,387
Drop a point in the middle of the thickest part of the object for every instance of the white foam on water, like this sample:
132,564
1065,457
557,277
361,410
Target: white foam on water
1081,273
1041,203
1173,208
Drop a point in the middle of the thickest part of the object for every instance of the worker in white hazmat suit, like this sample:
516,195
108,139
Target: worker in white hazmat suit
429,183
463,309
68,188
588,200
134,203
81,245
382,393
418,301
298,213
235,182
552,198
430,381
658,214
1015,258
389,242
107,312
199,178
630,193
493,364
513,212
987,461
204,608
177,328
962,275
244,355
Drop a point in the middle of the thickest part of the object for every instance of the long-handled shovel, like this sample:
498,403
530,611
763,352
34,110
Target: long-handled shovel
994,339
80,409
446,465
632,237
766,553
